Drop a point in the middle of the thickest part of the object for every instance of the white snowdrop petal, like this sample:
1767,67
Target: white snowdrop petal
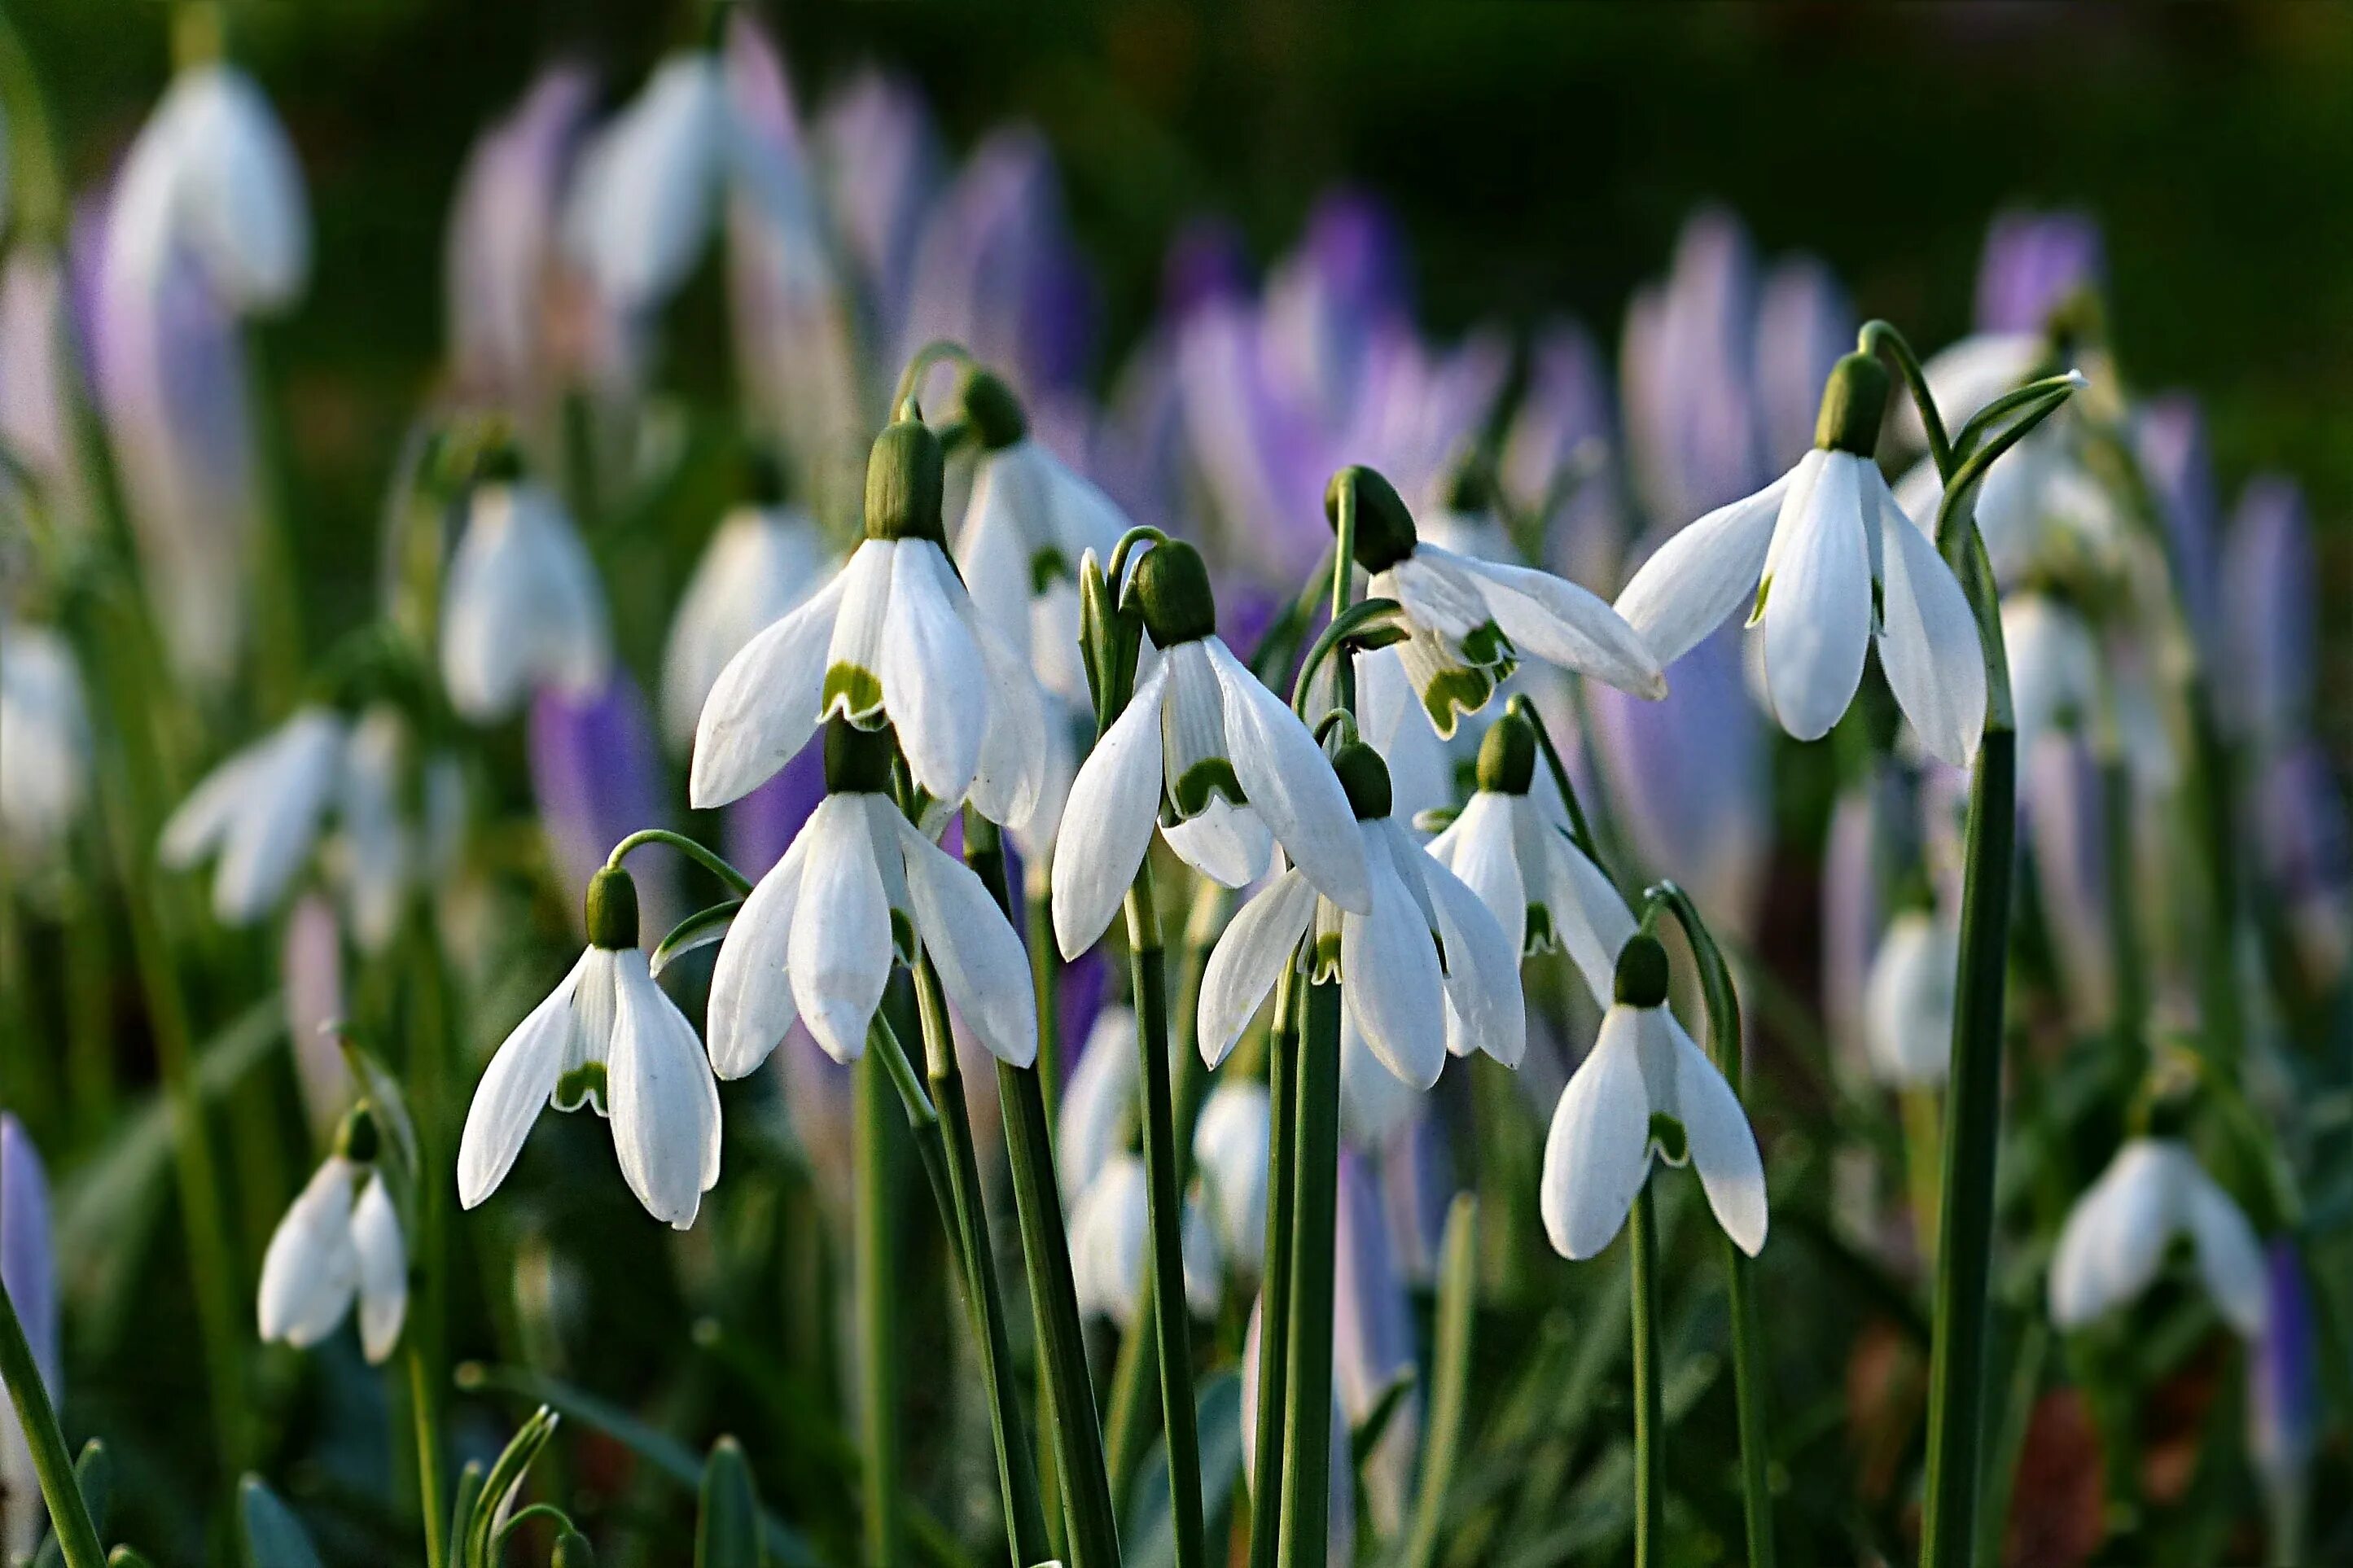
751,1002
2230,1257
1588,913
1290,784
1597,1152
993,549
1249,959
840,965
2112,1242
852,683
1818,605
1230,1149
1722,1146
1929,642
934,680
1553,619
1705,572
521,1079
382,1270
1009,779
1484,1007
1389,975
665,1103
1108,820
198,826
274,826
1478,847
1096,1102
1227,844
764,707
980,961
310,1269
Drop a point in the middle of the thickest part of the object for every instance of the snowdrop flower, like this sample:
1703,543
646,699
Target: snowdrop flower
860,888
610,1037
893,639
1425,971
44,739
2117,1233
340,1241
389,853
763,563
1646,1089
1831,564
2054,665
1540,886
28,1267
1470,620
1099,1110
1908,1000
1109,1231
230,192
260,813
523,605
1229,1149
1030,522
1239,771
645,200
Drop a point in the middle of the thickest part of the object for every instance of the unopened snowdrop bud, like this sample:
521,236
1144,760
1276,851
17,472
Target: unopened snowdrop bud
340,1242
44,740
28,1267
1109,1230
906,479
1828,563
571,1550
1229,1148
1411,1008
1646,1089
861,888
1469,621
764,560
524,605
259,813
994,412
1909,1001
1541,887
610,1037
2115,1239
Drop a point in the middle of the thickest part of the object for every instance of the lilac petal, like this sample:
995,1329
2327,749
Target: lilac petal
596,775
2032,263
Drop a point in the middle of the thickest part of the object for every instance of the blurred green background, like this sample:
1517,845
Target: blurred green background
1541,157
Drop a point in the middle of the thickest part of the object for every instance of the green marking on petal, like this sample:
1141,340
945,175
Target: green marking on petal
1541,936
1458,689
1209,776
1756,611
1048,567
1324,966
579,1086
1485,646
856,691
1668,1137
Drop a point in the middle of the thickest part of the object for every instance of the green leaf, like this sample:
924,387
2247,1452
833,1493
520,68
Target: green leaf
94,1475
274,1538
727,1532
1152,1534
504,1481
391,1106
461,1509
700,929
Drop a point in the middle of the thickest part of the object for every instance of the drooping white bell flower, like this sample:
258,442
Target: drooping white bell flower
645,200
1031,521
522,605
1829,563
1229,1149
1540,886
1098,1109
1237,770
260,813
44,740
2117,1233
861,887
1426,973
608,1036
1110,1231
1907,1008
1472,620
764,561
893,639
388,851
2054,665
231,191
339,1242
1646,1089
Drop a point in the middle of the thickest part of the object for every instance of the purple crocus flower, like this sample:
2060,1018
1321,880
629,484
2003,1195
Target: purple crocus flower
763,825
596,775
2270,613
1804,322
2304,843
879,168
2172,437
1372,1336
2065,821
2283,1393
1418,1185
1687,365
1562,439
2032,263
28,1267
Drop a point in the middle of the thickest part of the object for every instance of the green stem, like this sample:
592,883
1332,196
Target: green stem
1877,335
1306,1522
1579,830
1274,1294
1449,1397
1972,1134
68,1515
709,859
428,1066
1045,981
875,1267
425,1401
1650,1413
1924,1163
911,377
1148,966
1025,1518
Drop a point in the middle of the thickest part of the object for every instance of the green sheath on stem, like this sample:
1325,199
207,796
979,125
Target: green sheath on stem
1306,1522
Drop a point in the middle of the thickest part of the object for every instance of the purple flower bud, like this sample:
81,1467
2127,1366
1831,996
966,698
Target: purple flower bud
2283,1394
1804,323
1206,263
1688,367
2172,437
2270,611
1372,1336
1418,1185
2304,841
28,1267
596,775
310,978
1560,442
2032,263
763,825
880,167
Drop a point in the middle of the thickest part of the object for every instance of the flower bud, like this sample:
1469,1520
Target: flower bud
358,1140
903,482
571,1550
1385,531
1365,778
856,761
1507,757
1853,402
612,910
1172,590
1642,972
993,412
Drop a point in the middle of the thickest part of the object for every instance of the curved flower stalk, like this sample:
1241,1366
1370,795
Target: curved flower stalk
1425,971
1544,892
2115,1238
608,1037
1908,1006
861,888
765,559
340,1242
28,1268
1646,1092
45,740
1468,620
523,606
1238,771
1110,1234
894,639
1831,564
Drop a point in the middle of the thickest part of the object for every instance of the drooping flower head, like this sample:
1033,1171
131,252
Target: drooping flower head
2116,1238
523,606
1908,1006
608,1037
1831,564
339,1242
45,741
1646,1090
